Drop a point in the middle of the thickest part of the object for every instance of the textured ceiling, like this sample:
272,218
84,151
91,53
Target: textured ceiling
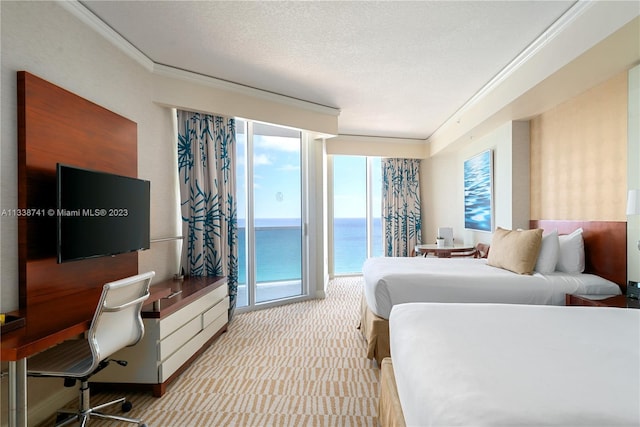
394,69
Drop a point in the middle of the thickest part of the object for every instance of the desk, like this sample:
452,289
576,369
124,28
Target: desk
47,324
446,251
176,331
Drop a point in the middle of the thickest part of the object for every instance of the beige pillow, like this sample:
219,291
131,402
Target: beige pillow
515,251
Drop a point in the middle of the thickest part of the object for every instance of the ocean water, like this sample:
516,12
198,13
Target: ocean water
477,192
350,244
279,247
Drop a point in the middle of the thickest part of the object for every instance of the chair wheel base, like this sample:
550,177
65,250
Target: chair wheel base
127,406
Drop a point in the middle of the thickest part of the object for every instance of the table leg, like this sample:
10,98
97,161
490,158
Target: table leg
18,393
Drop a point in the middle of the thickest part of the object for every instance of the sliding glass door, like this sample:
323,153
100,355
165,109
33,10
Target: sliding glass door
269,191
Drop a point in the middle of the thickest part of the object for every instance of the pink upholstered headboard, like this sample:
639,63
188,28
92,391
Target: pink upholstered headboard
605,246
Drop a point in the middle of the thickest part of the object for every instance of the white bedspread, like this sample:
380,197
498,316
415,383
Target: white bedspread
516,365
390,281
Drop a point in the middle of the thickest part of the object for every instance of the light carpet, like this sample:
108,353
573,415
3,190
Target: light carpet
301,364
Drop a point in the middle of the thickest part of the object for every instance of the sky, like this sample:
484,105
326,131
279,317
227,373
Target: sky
350,186
277,183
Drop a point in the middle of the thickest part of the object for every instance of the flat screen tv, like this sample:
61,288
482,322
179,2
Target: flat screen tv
100,214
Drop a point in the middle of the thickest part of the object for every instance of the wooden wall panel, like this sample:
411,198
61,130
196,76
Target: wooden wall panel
56,126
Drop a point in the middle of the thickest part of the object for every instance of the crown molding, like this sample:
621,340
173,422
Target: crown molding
191,77
77,9
529,52
585,26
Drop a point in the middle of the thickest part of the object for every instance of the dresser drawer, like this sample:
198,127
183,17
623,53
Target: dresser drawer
171,323
177,359
180,337
221,308
220,292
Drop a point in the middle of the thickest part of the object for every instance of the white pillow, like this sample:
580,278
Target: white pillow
549,250
571,256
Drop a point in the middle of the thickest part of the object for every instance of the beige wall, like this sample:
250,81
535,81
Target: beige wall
579,156
377,146
577,159
184,91
442,184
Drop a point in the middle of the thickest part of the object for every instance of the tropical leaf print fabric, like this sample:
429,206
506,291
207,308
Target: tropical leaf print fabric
401,206
206,168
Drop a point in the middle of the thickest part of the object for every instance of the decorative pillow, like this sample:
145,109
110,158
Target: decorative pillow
548,257
571,255
515,251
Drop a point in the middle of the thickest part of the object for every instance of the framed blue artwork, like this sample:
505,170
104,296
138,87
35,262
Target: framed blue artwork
478,192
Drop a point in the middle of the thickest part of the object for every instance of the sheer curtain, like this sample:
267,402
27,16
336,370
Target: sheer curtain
401,205
206,166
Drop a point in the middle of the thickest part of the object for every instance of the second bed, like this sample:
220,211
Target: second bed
392,281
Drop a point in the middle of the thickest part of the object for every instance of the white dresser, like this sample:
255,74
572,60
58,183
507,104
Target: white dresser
178,327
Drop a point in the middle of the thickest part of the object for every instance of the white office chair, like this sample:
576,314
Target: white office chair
116,324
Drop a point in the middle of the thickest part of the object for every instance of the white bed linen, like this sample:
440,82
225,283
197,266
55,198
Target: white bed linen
516,365
397,280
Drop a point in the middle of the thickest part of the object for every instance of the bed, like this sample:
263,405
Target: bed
485,364
391,281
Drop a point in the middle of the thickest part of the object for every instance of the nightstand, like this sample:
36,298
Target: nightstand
616,301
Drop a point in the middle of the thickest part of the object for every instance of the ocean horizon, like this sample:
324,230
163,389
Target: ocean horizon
279,247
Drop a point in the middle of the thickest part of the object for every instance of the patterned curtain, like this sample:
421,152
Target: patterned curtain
206,166
401,205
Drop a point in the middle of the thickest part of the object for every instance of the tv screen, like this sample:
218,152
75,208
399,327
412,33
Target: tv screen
100,214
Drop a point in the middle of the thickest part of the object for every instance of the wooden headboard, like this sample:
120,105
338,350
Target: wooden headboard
605,246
